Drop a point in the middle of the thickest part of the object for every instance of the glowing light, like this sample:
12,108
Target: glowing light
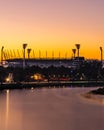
7,91
37,76
32,88
7,79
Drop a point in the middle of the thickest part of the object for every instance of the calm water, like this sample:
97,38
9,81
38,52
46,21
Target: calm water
49,109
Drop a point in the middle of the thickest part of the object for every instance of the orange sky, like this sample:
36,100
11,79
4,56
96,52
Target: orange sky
53,25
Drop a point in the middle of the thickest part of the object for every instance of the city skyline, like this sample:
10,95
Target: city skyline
53,25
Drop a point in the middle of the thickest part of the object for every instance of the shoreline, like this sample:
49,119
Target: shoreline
22,85
94,98
96,95
99,91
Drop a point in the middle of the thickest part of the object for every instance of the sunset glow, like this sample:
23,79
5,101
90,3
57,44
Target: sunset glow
53,26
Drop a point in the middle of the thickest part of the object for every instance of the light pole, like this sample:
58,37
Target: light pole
24,47
78,47
101,52
28,52
74,52
2,49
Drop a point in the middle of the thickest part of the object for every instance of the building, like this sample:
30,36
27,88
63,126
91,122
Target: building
45,63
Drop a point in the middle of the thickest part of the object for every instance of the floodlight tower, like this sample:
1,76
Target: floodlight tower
78,47
2,53
101,53
74,52
28,52
24,47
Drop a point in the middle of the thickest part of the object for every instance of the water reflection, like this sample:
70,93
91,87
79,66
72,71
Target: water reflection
7,109
49,109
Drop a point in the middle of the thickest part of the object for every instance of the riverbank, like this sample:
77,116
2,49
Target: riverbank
96,95
99,91
22,85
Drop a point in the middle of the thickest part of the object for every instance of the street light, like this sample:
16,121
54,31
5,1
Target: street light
78,47
24,47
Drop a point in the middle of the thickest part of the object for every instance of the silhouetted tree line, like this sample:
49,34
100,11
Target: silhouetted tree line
85,71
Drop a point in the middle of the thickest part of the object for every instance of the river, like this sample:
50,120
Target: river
50,109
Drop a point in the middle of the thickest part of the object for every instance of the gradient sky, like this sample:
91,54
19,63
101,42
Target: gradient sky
53,25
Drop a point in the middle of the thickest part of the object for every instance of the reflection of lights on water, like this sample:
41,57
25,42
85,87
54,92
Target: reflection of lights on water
7,107
7,91
32,89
